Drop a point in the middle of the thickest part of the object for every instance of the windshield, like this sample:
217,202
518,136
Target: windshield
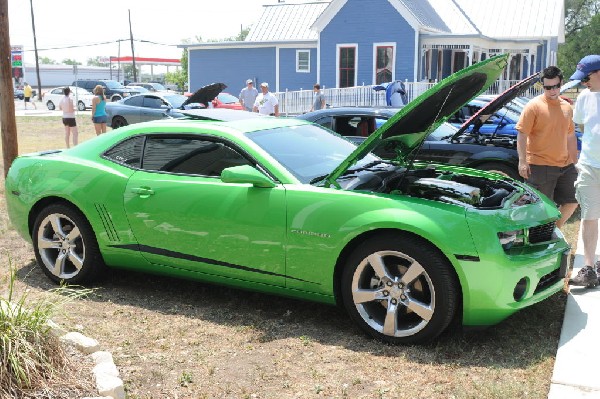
111,84
227,98
79,91
443,131
306,151
158,87
176,100
505,113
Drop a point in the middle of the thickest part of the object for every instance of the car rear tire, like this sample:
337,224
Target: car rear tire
118,121
65,245
81,106
50,105
399,289
501,169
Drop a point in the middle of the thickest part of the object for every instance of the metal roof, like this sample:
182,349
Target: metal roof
287,21
516,18
498,19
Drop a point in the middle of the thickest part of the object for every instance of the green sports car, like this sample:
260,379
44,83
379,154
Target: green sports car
285,207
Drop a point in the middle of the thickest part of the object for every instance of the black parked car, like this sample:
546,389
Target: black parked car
113,90
445,145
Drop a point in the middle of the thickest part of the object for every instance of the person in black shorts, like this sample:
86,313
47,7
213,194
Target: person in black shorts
68,108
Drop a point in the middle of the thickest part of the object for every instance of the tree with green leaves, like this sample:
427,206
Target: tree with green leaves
180,77
47,61
582,33
96,62
69,61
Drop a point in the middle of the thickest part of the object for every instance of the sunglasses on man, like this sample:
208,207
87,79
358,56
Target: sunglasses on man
587,78
556,86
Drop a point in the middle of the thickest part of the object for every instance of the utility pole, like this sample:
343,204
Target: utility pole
37,61
132,52
8,122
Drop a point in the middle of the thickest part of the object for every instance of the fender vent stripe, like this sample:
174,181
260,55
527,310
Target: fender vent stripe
107,222
470,258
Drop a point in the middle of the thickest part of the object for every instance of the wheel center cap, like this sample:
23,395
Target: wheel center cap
396,292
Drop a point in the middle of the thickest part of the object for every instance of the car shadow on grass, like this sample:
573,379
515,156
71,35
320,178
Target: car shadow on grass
524,339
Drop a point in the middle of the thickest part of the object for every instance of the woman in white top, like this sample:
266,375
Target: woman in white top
68,108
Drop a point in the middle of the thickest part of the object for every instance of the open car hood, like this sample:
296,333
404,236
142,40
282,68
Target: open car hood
205,94
497,103
404,132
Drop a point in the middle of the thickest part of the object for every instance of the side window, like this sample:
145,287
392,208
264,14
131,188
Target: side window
190,156
152,102
127,152
344,127
134,101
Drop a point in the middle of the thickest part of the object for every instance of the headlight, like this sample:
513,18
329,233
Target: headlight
513,238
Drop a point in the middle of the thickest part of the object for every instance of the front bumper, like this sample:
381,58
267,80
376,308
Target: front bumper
496,286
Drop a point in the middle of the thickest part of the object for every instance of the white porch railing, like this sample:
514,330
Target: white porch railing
298,102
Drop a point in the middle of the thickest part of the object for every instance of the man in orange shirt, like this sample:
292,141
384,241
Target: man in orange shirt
547,145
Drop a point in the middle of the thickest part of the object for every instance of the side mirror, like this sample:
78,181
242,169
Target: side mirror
246,174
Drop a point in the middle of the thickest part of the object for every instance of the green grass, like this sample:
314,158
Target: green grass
30,355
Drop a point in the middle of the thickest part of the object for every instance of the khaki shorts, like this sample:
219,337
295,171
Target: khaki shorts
587,188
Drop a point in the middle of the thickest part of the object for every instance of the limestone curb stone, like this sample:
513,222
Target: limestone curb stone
106,374
81,342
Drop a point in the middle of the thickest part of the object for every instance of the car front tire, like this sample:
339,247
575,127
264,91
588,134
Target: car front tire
65,245
81,106
399,289
50,105
118,121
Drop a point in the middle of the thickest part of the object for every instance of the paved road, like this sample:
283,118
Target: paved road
41,110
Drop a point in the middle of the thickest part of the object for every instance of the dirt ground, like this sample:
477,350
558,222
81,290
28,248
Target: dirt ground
175,339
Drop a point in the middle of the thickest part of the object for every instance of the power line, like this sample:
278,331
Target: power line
102,43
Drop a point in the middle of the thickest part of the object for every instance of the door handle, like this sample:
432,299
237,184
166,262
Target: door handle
142,191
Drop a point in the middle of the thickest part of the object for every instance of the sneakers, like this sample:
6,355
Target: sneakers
586,277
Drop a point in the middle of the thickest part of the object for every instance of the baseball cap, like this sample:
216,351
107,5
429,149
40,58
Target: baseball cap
264,84
249,81
588,64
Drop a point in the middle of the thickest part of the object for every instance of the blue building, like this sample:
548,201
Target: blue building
345,43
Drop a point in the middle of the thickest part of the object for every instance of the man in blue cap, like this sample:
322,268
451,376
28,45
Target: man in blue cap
587,114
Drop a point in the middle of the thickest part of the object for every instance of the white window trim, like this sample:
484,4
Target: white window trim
337,61
298,70
384,44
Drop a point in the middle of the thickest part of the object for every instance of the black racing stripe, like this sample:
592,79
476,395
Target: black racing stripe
193,258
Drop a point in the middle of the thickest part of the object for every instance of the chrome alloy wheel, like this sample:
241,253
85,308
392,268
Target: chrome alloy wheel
60,246
393,293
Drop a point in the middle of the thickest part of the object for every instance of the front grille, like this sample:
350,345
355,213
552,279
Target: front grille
541,233
547,280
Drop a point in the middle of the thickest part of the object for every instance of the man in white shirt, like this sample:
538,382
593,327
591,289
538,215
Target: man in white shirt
266,103
587,186
68,108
